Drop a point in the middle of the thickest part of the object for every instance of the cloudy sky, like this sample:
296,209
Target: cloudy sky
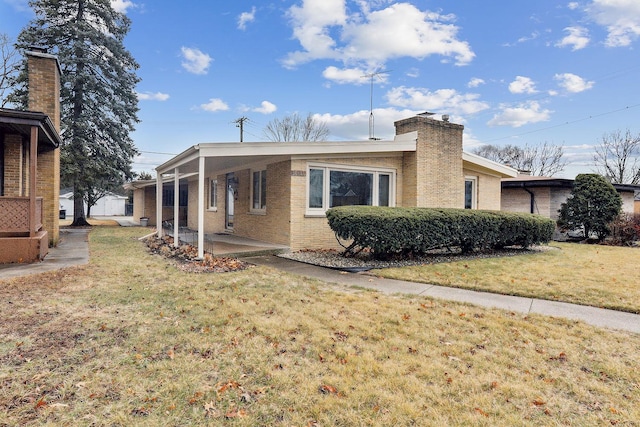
512,72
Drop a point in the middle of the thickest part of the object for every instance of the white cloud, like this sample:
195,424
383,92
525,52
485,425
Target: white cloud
195,61
413,73
534,35
525,113
122,5
349,75
475,82
327,30
573,83
578,38
441,100
355,126
215,104
522,85
573,5
266,107
245,18
149,96
621,18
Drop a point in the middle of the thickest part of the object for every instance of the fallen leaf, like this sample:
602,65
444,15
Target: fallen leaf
171,354
327,389
236,413
539,402
481,412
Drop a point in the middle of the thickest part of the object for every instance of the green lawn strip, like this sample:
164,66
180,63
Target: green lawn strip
600,276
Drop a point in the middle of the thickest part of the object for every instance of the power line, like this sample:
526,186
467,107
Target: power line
563,124
158,152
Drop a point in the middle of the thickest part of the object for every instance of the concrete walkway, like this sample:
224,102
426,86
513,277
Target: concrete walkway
591,315
72,250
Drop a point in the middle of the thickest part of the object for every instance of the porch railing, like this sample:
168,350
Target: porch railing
15,218
186,236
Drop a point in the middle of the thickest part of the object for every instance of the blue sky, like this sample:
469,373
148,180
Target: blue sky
513,72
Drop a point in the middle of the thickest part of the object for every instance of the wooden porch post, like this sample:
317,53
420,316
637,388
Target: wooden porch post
33,179
176,207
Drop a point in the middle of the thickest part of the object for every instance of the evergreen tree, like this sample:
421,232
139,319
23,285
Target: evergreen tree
593,204
98,100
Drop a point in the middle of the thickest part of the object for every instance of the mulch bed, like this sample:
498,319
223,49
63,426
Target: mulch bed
185,257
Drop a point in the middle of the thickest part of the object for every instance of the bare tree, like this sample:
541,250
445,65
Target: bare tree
617,157
9,66
547,159
543,160
295,128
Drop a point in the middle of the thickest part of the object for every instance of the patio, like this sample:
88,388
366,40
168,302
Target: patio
226,244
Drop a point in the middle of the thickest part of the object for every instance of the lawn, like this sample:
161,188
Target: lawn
601,276
131,340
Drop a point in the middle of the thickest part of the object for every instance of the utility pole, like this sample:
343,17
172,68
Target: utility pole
240,124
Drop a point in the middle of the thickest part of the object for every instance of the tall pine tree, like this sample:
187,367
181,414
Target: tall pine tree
98,100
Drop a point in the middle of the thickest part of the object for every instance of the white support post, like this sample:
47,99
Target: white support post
201,207
159,229
176,207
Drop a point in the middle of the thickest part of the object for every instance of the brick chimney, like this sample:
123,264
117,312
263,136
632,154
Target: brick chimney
44,96
433,176
44,84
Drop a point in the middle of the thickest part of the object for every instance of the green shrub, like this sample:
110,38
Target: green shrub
388,232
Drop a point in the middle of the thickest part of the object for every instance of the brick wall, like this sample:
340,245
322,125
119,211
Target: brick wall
310,232
488,191
518,200
433,175
13,166
44,96
273,225
214,220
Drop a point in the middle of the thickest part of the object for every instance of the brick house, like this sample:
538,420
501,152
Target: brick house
30,166
279,192
544,196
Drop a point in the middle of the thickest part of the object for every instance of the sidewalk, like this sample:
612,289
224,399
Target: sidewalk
72,249
592,315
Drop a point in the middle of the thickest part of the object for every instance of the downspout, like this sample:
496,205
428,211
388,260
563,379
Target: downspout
532,198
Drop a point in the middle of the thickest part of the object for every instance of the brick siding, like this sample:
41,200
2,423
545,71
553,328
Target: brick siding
44,96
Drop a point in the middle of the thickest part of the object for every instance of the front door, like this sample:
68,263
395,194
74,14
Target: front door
230,198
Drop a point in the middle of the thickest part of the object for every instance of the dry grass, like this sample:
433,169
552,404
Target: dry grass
130,340
92,221
600,276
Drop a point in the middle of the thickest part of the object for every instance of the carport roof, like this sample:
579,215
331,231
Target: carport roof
223,156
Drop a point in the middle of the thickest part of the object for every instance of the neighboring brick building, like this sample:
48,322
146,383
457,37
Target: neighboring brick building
30,166
278,192
544,195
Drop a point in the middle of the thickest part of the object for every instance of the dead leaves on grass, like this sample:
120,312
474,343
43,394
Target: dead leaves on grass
187,257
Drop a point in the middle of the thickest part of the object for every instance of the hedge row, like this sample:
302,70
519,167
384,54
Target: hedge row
391,231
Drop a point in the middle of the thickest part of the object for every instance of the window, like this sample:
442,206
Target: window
329,187
470,190
213,195
259,191
316,183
